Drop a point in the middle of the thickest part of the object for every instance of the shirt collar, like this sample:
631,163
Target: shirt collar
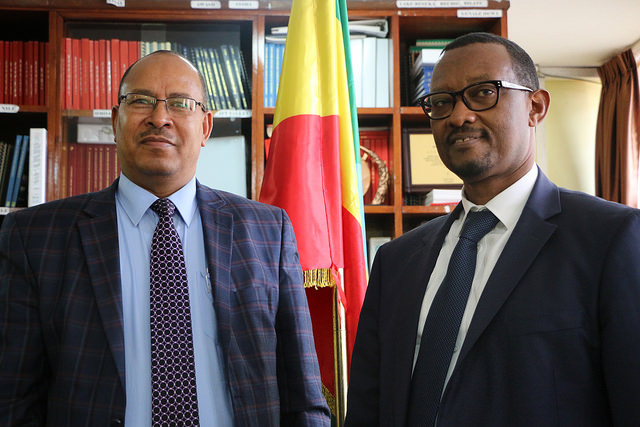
136,200
508,204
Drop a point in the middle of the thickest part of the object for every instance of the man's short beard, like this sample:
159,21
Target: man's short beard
472,169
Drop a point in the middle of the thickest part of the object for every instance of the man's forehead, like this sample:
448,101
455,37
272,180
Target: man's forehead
470,64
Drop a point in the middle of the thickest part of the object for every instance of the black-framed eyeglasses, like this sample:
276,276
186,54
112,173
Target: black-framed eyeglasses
479,96
176,106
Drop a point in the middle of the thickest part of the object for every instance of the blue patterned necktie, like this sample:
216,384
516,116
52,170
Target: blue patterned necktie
173,377
443,322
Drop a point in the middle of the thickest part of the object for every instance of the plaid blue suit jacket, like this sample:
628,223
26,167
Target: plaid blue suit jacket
61,333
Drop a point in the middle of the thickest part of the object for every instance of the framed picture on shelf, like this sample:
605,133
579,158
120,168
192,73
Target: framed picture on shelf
422,169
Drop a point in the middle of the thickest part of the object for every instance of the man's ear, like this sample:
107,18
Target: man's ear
114,120
207,127
540,100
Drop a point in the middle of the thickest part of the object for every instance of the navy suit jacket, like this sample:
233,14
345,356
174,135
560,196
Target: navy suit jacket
555,338
61,333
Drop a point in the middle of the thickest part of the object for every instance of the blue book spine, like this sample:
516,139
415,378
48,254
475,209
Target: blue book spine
14,166
24,150
279,56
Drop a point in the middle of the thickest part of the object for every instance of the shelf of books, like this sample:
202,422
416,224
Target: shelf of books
397,46
75,55
24,59
96,53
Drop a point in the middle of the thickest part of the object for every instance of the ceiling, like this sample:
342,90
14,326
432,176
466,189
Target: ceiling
574,33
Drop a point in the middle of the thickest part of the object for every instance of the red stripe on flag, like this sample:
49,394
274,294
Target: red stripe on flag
354,276
302,176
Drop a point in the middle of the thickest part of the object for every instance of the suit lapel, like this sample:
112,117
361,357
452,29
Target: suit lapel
529,236
99,237
217,226
410,295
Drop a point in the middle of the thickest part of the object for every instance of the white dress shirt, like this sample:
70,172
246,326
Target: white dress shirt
507,207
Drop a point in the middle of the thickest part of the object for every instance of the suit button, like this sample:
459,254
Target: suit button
116,422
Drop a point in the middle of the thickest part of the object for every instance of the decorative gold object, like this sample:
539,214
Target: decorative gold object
383,175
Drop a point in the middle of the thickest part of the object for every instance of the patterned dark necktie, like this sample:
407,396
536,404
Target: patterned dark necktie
443,322
173,377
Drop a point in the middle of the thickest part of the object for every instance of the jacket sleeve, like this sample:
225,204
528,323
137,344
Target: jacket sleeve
363,398
620,323
299,383
23,370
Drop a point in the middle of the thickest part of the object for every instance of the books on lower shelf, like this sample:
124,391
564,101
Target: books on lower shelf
37,189
14,171
91,167
443,196
93,68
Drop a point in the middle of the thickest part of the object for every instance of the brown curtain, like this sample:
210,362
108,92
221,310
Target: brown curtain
617,131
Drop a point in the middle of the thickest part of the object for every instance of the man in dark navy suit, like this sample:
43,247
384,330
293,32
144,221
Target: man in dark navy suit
548,335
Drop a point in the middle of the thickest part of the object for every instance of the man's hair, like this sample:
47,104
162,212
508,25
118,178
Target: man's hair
166,52
522,64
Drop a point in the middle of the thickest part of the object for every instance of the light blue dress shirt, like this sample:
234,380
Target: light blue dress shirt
136,224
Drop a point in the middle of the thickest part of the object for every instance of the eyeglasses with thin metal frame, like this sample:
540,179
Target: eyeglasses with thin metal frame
176,106
478,96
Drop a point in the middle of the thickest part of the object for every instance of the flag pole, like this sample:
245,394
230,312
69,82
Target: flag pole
340,354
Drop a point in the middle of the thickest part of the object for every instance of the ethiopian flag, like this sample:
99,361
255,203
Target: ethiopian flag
313,169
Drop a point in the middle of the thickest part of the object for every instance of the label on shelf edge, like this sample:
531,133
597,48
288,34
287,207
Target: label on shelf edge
5,210
102,113
208,4
9,108
400,4
243,4
480,13
116,3
241,114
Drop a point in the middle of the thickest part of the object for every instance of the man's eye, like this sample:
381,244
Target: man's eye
483,92
141,101
440,102
179,103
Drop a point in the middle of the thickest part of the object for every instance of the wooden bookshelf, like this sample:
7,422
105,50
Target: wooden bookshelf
53,20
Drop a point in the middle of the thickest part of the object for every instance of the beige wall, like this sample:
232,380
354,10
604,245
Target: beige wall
566,140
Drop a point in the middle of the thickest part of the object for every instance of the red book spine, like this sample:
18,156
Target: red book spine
28,69
67,73
20,72
115,70
24,97
108,96
103,74
96,73
84,74
75,82
3,77
44,73
92,72
124,56
36,73
134,54
6,65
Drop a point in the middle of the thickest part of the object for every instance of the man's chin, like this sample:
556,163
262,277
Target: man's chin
469,171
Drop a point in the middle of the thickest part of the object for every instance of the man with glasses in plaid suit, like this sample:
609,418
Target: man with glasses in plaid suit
75,345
